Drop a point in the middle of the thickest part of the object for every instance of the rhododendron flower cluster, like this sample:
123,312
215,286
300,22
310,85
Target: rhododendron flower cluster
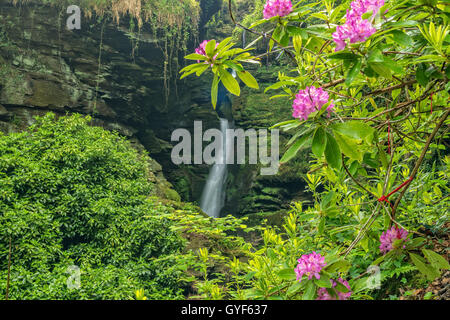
322,293
275,8
309,100
310,265
362,6
355,28
388,238
202,49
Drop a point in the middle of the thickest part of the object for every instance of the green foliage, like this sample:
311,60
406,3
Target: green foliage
221,57
378,158
72,194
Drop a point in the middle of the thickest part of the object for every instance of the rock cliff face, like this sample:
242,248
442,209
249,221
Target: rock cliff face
102,71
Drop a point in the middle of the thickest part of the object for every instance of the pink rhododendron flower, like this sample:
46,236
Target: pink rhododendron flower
362,6
309,100
310,265
275,8
322,293
202,49
388,238
355,28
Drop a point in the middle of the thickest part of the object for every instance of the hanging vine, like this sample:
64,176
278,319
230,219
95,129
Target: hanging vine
174,22
94,109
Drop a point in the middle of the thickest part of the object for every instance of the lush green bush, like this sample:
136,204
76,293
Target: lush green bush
72,194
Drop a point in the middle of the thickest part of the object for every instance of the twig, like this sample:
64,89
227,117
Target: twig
289,53
356,181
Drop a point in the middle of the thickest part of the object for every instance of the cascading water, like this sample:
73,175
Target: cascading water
213,196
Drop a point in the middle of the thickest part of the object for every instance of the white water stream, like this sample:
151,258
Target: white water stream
213,196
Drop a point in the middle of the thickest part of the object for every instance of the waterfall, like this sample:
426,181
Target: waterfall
213,196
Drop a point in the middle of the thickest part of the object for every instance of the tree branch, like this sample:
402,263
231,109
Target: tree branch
420,160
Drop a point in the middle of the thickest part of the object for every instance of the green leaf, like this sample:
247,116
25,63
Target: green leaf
214,90
310,291
377,64
326,200
427,270
296,31
292,151
287,274
201,69
349,147
421,76
394,66
402,38
236,67
223,43
333,153
340,287
321,226
278,33
248,79
323,282
436,260
319,142
210,48
381,69
353,72
294,288
375,56
195,56
229,82
279,124
354,129
382,157
197,68
344,56
340,265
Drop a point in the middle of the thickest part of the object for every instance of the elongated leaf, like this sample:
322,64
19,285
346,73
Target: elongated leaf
319,142
294,288
381,69
236,67
349,147
248,79
201,69
402,38
344,56
354,129
427,270
333,153
310,291
214,90
195,56
283,123
287,274
421,76
341,288
353,72
296,146
210,47
340,265
323,282
436,260
223,43
230,82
